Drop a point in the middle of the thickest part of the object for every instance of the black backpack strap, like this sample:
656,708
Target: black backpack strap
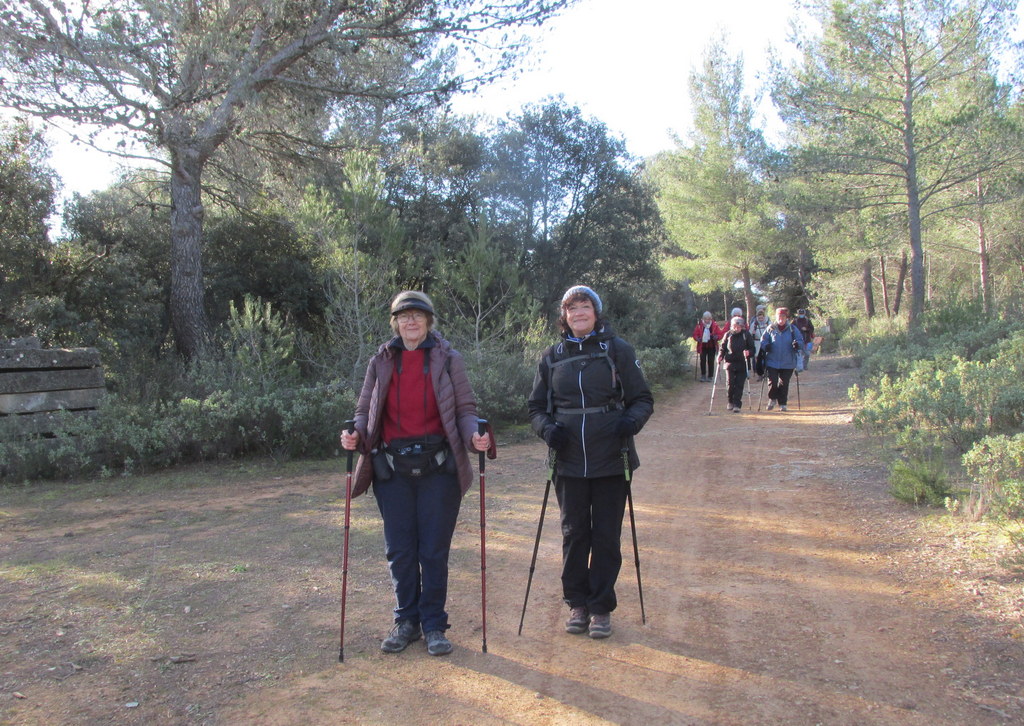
608,354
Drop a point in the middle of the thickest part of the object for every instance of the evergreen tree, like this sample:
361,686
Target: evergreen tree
888,101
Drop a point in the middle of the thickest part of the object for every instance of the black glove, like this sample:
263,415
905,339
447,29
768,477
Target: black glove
556,436
624,427
796,346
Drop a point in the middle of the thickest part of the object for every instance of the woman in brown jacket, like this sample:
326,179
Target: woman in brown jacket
416,420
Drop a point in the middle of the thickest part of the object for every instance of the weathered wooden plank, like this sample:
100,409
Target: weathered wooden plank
53,380
14,358
39,423
50,400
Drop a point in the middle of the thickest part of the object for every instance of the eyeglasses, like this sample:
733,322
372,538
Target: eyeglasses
410,316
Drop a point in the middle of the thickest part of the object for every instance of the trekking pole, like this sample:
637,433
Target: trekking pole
714,385
750,372
481,428
696,364
540,526
760,397
350,426
632,526
797,374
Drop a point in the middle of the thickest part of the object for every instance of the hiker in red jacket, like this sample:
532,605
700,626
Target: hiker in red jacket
707,334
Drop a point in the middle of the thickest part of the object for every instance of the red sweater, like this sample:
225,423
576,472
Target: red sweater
411,408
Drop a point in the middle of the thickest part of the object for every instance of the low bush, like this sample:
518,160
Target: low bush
501,384
948,400
995,467
920,480
664,366
127,436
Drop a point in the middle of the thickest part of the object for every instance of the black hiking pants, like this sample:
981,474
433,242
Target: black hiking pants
708,353
778,384
592,511
737,375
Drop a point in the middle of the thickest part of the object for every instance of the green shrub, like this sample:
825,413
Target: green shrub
957,329
244,397
920,480
995,466
501,384
948,400
664,366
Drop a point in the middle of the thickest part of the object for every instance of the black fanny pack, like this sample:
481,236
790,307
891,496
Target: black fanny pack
419,457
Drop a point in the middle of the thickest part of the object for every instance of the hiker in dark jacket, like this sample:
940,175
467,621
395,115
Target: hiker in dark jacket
416,421
806,328
737,351
589,399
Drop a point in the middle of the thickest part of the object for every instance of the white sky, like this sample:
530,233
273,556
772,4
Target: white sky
628,63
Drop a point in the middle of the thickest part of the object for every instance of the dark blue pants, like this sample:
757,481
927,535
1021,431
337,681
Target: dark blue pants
591,512
419,521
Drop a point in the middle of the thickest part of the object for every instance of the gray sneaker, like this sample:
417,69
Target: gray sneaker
404,632
771,405
783,407
437,644
578,620
600,625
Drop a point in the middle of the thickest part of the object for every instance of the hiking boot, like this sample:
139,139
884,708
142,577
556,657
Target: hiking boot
600,625
404,632
771,405
783,407
577,622
736,410
437,644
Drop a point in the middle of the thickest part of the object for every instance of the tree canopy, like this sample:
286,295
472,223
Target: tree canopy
888,103
185,79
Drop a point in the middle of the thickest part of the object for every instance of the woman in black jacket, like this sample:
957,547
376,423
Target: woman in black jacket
589,399
737,353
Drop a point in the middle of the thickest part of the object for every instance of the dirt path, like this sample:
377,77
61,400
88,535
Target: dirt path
782,586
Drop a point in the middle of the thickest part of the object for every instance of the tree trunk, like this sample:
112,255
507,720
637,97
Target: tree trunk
917,291
869,296
983,261
748,292
900,282
917,277
885,286
188,312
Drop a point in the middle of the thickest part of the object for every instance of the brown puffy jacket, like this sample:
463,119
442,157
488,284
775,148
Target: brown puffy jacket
455,403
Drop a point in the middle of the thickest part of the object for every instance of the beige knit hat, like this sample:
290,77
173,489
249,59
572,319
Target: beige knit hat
411,300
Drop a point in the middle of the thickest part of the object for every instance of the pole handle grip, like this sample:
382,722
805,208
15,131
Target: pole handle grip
350,426
481,428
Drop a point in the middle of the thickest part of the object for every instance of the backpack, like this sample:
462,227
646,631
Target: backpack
759,364
608,354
